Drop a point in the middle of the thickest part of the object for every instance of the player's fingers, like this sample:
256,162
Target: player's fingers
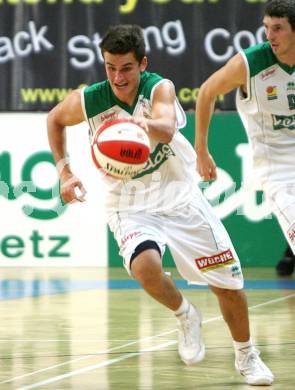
80,193
69,196
66,196
144,126
206,176
213,173
68,199
141,122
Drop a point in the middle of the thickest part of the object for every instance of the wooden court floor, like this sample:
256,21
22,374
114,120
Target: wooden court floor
95,329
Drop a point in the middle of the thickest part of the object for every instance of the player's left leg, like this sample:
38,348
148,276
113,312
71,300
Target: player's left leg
204,254
281,197
234,308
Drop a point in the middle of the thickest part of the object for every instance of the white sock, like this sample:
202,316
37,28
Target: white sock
183,307
241,347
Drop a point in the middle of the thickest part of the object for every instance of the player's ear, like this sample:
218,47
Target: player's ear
143,64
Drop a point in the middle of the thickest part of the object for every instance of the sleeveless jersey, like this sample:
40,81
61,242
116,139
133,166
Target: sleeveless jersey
165,183
268,114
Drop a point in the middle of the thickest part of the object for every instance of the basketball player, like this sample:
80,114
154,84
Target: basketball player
163,204
265,78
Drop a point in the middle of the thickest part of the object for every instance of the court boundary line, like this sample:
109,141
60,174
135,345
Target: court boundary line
121,358
96,366
102,352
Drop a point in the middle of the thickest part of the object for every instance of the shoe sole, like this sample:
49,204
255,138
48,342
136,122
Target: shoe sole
196,359
266,381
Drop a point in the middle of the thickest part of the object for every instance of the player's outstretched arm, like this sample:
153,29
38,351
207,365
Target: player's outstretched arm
67,113
226,79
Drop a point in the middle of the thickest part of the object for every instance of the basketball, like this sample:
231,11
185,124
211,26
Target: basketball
121,148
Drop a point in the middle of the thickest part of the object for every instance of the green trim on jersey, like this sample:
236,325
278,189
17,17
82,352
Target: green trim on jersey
261,57
289,69
99,97
99,92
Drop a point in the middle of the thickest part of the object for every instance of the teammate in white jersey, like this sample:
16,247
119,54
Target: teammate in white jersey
200,246
265,78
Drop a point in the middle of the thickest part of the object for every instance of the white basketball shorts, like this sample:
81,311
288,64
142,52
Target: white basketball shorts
201,248
281,197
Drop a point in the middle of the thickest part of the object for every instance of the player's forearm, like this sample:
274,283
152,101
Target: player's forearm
57,143
204,112
161,129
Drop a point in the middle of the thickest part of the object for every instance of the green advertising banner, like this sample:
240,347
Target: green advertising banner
255,233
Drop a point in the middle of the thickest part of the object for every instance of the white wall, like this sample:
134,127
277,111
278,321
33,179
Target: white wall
27,241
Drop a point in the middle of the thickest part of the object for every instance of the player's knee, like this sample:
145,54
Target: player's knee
218,291
221,291
146,266
227,293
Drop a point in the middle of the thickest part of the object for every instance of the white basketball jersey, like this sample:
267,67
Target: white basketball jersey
166,182
268,114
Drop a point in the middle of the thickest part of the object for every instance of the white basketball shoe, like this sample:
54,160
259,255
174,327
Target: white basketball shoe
249,364
190,344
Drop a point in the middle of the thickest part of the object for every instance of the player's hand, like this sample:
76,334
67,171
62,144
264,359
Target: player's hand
72,189
141,121
206,166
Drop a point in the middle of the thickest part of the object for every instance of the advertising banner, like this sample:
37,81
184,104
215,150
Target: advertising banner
49,47
36,229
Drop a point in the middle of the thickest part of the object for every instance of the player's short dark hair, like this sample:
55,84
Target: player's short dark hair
123,39
281,9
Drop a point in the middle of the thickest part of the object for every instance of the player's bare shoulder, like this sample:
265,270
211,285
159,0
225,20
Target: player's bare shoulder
73,104
167,86
237,68
69,111
165,91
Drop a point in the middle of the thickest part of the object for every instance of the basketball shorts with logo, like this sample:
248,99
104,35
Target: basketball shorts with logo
281,197
200,246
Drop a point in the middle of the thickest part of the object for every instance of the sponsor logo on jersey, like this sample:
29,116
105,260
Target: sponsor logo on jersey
129,237
109,116
291,234
219,260
161,154
236,271
283,122
271,92
143,102
143,108
267,73
291,86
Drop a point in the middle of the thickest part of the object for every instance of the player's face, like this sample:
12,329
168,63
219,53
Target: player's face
280,35
123,72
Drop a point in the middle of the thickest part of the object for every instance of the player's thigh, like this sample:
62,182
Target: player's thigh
282,201
202,249
135,233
